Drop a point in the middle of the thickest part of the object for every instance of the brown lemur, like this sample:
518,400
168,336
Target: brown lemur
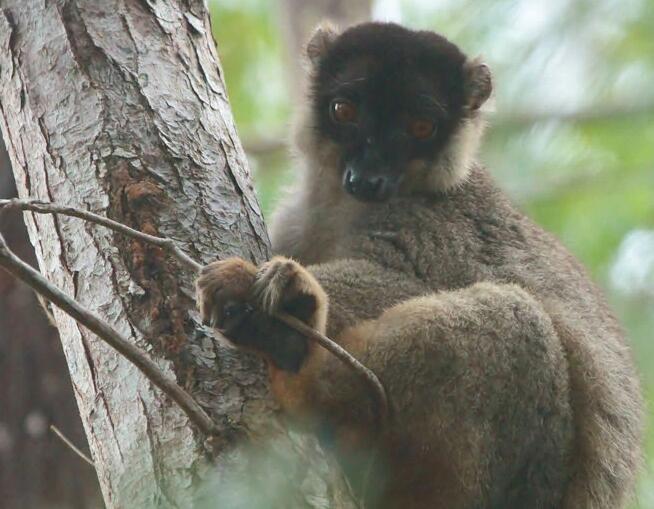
509,379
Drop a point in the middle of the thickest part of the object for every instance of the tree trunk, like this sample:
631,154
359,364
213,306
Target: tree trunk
298,19
119,107
37,471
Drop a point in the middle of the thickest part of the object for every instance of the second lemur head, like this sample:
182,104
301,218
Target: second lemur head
392,110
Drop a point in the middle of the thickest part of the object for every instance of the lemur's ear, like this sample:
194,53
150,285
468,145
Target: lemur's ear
322,38
478,83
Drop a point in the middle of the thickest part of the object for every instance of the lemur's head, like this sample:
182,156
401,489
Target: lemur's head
399,108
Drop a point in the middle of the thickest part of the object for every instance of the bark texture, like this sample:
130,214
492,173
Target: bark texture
120,107
37,470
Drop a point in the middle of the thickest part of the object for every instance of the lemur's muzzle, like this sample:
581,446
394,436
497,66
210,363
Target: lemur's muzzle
368,186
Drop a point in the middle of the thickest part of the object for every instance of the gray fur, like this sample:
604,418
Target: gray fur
475,257
509,378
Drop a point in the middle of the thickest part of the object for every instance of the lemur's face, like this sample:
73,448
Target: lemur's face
389,98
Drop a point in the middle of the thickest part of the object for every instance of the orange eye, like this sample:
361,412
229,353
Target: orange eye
343,111
421,128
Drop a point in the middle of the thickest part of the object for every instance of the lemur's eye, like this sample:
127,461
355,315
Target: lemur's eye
343,111
421,128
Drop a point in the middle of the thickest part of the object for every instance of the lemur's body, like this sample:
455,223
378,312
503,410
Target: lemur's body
510,383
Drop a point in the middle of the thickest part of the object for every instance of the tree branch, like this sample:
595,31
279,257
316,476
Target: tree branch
519,119
366,374
511,120
14,265
41,207
71,445
265,146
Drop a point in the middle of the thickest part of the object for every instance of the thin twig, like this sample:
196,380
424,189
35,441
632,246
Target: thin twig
71,445
171,247
339,352
14,265
41,207
277,142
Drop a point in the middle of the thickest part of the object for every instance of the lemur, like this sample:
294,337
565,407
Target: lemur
509,379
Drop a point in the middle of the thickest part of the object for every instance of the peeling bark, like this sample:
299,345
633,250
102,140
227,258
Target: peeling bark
37,471
120,107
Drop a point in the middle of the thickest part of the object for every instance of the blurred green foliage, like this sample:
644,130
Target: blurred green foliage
250,49
572,140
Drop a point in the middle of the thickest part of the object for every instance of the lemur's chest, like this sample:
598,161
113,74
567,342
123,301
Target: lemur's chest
443,245
437,246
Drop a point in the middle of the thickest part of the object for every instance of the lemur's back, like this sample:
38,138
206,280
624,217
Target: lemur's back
474,234
509,382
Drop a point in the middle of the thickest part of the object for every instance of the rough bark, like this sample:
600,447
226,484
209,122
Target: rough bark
120,107
36,469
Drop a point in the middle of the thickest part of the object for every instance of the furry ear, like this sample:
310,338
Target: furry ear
478,83
322,38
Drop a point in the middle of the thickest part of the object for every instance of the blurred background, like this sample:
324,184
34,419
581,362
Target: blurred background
571,140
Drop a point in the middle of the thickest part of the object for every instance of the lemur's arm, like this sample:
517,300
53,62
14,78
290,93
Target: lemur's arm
238,298
453,363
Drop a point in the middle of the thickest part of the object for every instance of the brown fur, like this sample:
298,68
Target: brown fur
510,381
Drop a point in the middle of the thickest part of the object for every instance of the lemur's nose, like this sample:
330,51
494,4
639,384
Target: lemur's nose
367,188
352,181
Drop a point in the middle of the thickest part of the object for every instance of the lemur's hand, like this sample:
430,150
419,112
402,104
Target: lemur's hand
224,294
239,300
